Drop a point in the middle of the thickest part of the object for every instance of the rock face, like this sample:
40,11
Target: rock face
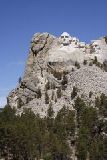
54,66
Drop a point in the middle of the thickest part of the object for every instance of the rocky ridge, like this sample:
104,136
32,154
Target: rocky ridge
54,67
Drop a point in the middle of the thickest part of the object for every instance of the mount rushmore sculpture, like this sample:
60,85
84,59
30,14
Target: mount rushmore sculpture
55,65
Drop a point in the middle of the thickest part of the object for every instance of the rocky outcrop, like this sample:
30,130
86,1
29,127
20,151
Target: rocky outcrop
54,66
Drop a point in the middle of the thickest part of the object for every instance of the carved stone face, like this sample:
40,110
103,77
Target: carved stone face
82,46
75,40
65,39
95,47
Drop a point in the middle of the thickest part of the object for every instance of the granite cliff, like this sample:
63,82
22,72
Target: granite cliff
57,68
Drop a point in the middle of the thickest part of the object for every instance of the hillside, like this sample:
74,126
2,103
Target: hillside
54,67
59,109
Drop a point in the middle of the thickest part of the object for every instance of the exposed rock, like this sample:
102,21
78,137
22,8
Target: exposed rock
52,59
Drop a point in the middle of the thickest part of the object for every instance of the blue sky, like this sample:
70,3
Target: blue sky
20,19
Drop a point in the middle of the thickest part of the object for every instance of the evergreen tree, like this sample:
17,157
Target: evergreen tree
95,61
28,136
39,94
85,62
46,98
20,79
77,65
74,92
59,93
47,86
90,94
50,111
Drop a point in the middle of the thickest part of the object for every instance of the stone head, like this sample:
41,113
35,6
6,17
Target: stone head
95,46
65,39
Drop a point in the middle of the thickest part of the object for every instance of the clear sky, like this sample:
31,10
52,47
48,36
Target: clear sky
20,19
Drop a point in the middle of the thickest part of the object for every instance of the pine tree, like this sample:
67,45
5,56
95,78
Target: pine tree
59,93
47,85
39,94
74,92
90,94
52,97
95,60
77,65
50,111
46,98
85,62
64,80
20,79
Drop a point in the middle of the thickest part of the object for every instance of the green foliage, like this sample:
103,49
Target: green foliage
101,103
50,111
85,62
59,93
105,66
64,123
73,70
97,102
90,141
82,147
90,94
53,95
53,85
77,65
95,61
30,137
55,99
47,85
19,80
39,94
98,148
105,39
19,103
74,92
98,64
46,98
91,64
64,80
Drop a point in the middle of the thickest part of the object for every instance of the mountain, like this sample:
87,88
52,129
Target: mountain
57,65
58,111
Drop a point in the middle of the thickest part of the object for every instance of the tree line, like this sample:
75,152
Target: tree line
30,137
